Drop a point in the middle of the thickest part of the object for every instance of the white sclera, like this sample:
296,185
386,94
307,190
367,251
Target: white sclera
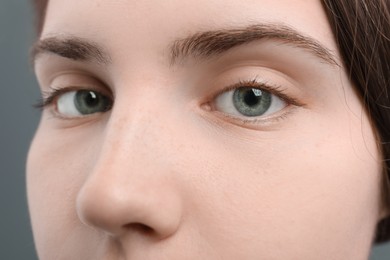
66,105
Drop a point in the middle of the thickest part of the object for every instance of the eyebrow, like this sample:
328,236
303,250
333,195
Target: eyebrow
211,43
204,44
70,47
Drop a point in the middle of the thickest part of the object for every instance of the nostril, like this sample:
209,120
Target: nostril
141,228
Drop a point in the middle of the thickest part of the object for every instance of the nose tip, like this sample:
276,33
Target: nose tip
149,208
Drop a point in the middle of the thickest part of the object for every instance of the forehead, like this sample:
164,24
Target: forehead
150,24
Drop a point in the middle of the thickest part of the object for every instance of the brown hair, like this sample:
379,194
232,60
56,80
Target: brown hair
362,32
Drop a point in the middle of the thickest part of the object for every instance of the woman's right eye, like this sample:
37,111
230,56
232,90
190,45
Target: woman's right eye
79,103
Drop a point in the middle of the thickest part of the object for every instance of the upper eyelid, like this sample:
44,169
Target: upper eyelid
61,74
273,88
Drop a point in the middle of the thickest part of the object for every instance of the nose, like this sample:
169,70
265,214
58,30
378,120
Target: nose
131,188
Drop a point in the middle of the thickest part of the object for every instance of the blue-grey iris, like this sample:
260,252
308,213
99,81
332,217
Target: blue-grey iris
251,101
89,102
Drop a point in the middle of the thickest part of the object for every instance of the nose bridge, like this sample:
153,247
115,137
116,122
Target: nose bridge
140,121
139,130
132,184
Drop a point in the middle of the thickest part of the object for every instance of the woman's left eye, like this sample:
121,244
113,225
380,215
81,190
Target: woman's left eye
249,102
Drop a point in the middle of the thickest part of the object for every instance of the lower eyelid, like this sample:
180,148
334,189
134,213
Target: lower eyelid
259,123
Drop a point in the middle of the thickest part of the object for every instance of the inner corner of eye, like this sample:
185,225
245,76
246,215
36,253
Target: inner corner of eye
206,106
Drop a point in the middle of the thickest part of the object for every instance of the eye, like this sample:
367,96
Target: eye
82,102
249,102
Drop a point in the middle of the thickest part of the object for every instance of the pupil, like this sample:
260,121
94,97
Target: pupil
89,102
91,99
251,99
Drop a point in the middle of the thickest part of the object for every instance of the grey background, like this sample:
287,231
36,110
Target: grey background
18,121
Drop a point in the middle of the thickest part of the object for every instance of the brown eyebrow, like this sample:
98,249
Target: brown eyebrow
211,43
73,48
202,44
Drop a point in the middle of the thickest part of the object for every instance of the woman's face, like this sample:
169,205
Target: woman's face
199,129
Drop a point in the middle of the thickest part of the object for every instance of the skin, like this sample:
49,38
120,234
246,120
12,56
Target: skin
166,174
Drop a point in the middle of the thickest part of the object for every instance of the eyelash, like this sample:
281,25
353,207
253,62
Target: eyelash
49,97
274,89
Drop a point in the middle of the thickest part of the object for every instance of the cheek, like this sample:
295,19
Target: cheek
300,189
56,170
